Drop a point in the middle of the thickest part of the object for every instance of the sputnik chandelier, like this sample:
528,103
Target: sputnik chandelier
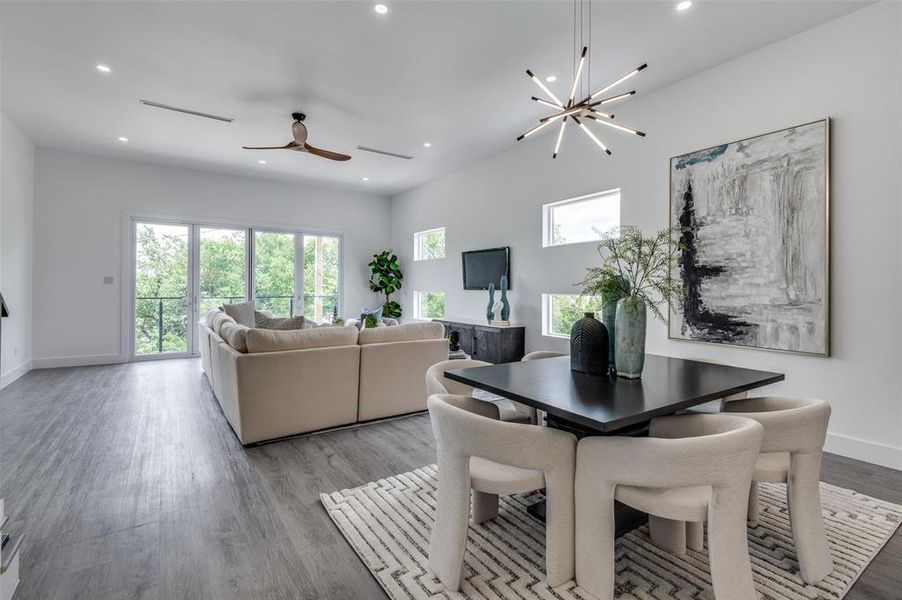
587,108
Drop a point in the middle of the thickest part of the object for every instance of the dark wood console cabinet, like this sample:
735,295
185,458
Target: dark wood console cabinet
490,343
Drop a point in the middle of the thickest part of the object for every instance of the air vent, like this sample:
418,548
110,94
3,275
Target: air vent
185,110
385,152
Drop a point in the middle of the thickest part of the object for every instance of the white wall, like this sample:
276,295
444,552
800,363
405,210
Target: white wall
849,70
80,202
16,212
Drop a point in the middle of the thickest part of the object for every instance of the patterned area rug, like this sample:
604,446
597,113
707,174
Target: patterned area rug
387,522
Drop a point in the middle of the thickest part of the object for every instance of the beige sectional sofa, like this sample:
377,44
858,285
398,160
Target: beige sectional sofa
273,384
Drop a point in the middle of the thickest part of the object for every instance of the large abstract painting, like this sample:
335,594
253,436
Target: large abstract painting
755,266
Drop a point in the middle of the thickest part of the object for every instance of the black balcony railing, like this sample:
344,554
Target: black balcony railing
169,316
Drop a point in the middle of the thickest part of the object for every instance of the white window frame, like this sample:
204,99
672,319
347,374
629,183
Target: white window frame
547,315
418,297
417,255
548,216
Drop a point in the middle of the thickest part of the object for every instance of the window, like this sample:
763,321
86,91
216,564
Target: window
428,305
429,244
583,219
561,311
183,268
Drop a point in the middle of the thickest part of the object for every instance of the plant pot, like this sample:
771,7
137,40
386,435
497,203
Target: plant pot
589,346
629,328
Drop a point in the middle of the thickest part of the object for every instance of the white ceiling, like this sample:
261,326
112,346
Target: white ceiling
451,73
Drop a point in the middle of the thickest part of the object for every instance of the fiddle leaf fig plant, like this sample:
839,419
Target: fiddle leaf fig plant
637,267
386,279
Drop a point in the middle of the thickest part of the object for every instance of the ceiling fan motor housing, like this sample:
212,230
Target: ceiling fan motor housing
298,116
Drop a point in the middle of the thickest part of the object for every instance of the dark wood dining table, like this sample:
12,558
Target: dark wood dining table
608,405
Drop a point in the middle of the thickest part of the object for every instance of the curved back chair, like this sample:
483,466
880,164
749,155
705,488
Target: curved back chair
691,467
476,451
540,354
794,434
437,383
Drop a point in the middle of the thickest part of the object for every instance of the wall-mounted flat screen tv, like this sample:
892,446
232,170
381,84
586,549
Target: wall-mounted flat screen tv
481,267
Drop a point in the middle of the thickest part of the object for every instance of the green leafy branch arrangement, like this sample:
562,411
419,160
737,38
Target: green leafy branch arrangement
386,279
637,267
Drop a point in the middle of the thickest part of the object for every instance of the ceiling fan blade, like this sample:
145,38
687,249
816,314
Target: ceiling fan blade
326,153
287,146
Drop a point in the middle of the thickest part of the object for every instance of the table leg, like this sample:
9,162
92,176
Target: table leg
626,518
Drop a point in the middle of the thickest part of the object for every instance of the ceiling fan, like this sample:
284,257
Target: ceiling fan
299,143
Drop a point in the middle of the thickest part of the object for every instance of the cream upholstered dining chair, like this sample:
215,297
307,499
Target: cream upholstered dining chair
794,434
689,468
437,383
479,452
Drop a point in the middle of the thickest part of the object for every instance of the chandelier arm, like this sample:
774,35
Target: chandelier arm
533,130
618,81
545,89
569,111
610,99
616,126
560,136
546,103
591,135
579,71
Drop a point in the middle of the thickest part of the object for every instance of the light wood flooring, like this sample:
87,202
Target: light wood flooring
129,484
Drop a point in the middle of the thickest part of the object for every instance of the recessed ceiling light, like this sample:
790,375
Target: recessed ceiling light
123,139
684,4
103,68
551,78
366,178
427,144
381,9
261,161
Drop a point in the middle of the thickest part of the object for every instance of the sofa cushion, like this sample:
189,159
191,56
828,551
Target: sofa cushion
409,332
268,340
263,322
235,335
208,317
242,313
218,319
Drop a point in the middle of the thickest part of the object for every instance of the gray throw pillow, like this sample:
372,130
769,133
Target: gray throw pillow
264,322
243,313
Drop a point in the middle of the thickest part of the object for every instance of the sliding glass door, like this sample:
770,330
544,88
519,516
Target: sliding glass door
223,267
322,269
275,272
183,269
161,299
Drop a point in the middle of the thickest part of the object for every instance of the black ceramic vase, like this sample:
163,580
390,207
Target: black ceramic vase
589,346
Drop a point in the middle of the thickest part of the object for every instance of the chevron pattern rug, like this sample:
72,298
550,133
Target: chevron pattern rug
388,522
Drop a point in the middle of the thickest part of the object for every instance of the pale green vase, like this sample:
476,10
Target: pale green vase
629,330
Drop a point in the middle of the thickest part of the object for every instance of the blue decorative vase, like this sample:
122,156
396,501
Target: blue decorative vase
589,346
505,305
629,328
608,317
489,313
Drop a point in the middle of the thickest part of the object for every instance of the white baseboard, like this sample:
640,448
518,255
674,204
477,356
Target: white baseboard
872,452
14,373
77,361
